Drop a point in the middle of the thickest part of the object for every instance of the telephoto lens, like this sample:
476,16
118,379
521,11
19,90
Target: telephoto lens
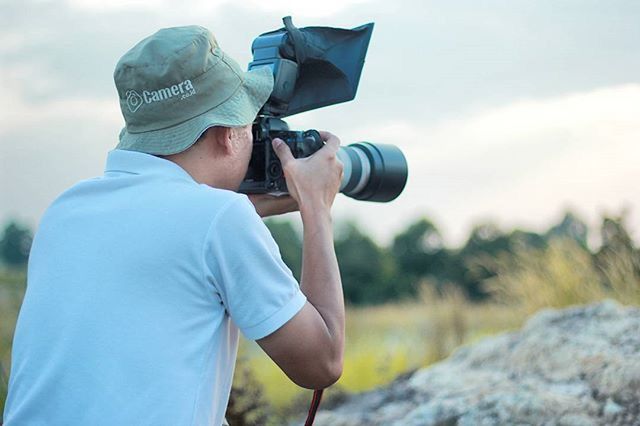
373,172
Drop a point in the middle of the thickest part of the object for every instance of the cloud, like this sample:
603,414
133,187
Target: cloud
522,163
315,9
494,102
47,146
19,113
102,6
308,9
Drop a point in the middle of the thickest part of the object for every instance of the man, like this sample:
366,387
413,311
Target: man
139,280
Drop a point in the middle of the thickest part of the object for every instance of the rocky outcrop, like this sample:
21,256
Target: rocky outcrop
576,366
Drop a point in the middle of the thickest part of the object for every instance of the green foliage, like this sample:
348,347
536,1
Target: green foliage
570,227
565,272
289,242
12,288
558,275
419,254
419,249
247,404
15,244
373,274
367,272
618,260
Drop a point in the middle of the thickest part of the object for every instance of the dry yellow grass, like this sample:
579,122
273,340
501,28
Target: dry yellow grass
11,294
561,275
385,341
388,340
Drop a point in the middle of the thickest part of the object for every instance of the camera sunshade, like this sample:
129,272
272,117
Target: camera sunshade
313,67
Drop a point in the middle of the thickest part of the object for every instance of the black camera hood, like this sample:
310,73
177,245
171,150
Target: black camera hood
313,67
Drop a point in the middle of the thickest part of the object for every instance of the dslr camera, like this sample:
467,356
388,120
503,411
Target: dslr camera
312,68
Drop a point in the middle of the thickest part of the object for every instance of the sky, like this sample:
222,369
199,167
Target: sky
508,112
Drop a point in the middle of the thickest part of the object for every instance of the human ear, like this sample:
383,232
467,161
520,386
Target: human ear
222,140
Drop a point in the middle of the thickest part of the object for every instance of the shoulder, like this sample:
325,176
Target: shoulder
229,204
236,215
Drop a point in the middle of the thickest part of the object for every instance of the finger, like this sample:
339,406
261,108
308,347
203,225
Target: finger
330,139
282,151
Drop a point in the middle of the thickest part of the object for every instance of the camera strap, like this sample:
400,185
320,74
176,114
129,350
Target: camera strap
297,37
315,403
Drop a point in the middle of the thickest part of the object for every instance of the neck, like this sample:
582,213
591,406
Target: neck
204,168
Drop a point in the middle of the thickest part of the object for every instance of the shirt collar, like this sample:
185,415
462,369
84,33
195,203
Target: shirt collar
140,163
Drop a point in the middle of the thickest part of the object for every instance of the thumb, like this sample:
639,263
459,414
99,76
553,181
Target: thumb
282,151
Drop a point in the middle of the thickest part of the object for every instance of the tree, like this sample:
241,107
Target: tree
618,260
476,262
570,227
367,270
289,242
16,244
419,254
418,249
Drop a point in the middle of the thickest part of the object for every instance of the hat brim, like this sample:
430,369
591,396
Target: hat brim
239,110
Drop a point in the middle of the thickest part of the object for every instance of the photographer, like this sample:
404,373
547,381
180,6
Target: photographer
140,280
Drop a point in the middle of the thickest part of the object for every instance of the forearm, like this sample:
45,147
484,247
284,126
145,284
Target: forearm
310,347
320,281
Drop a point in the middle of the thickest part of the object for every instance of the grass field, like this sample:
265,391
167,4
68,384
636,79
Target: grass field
11,293
384,342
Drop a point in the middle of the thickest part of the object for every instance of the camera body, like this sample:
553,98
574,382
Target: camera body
265,174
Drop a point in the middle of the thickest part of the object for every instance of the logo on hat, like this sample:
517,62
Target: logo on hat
134,101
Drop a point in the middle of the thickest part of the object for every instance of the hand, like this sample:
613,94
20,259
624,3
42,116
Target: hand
313,181
270,205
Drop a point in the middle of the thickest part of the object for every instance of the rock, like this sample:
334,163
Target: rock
576,367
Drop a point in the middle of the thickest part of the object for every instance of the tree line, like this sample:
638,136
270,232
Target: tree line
417,256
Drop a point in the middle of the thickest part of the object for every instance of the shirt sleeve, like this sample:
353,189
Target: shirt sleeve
243,262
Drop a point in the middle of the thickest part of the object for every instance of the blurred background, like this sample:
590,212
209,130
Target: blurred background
519,121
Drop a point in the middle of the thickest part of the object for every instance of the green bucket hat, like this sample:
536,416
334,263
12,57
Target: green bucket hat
177,83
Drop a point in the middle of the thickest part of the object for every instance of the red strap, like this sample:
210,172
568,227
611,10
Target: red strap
315,403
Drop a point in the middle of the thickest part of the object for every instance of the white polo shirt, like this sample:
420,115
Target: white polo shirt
137,284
